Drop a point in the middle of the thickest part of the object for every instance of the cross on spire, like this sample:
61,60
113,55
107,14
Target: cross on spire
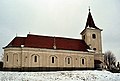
89,8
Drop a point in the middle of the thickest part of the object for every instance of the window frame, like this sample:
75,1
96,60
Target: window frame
68,60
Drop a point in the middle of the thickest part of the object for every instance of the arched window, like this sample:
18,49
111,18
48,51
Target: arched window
83,61
7,58
93,36
53,59
68,60
35,59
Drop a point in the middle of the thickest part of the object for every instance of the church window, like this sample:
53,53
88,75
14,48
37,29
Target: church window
93,36
53,59
94,49
7,58
68,60
35,59
83,61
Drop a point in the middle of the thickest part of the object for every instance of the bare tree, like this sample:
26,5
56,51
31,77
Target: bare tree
109,59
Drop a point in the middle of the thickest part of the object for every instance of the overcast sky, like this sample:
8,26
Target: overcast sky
64,18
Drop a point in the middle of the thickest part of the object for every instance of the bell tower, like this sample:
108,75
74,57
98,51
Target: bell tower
92,35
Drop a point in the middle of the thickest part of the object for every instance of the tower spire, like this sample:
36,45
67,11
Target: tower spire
90,22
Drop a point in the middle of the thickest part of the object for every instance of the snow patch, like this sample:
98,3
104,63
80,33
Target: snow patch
60,76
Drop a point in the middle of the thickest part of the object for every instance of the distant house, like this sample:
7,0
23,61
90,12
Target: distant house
37,52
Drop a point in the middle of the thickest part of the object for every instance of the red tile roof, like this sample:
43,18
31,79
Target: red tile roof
37,41
16,42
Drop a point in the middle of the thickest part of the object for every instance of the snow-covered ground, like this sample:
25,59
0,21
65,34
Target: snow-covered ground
60,76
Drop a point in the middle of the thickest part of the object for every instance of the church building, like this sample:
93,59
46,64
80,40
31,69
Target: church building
38,52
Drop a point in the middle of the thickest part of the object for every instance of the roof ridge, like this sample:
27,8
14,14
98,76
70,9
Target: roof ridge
53,37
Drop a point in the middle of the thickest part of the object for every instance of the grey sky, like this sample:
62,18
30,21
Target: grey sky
65,18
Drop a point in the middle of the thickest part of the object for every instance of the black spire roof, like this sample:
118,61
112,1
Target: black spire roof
90,22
